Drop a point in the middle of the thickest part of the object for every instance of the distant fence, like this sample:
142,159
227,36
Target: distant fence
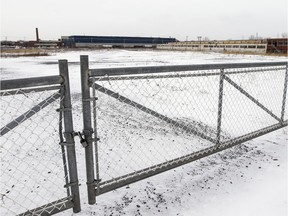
37,153
147,120
137,122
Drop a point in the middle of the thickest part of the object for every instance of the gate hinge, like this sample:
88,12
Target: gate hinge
95,182
90,99
63,109
71,184
67,143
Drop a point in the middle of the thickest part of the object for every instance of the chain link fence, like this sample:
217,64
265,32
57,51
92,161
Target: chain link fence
152,119
137,122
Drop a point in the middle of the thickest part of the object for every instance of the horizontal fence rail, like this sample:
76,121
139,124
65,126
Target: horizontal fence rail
135,94
51,208
115,183
195,74
31,82
177,68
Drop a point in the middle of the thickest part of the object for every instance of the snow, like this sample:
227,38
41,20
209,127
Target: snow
249,179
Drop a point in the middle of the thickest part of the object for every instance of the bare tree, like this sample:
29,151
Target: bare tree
284,35
206,39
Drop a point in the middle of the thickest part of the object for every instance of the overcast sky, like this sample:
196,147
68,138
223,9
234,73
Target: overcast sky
215,19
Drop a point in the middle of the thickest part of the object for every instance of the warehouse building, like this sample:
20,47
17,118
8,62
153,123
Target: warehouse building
255,46
114,42
277,45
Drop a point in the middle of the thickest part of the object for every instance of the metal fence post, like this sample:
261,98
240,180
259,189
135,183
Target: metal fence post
284,94
70,144
220,100
96,139
87,128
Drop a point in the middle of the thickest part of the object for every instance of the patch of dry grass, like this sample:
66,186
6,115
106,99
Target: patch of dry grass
23,52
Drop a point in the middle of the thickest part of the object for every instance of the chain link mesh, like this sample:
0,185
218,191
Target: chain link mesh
31,158
241,114
147,120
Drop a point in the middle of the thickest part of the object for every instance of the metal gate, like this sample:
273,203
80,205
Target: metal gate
141,121
137,122
35,148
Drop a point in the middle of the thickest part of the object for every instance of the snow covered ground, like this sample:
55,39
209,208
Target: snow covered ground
250,179
234,182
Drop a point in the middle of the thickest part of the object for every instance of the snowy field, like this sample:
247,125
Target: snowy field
250,179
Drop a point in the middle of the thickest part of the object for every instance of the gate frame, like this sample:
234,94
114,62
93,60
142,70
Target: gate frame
88,77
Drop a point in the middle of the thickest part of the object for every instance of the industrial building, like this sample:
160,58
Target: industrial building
278,45
114,42
258,46
241,46
38,43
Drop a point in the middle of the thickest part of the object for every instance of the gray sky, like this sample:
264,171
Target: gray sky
215,19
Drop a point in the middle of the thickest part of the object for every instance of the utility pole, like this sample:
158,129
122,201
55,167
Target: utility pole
199,39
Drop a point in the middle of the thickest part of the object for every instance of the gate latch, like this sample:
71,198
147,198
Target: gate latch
82,140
